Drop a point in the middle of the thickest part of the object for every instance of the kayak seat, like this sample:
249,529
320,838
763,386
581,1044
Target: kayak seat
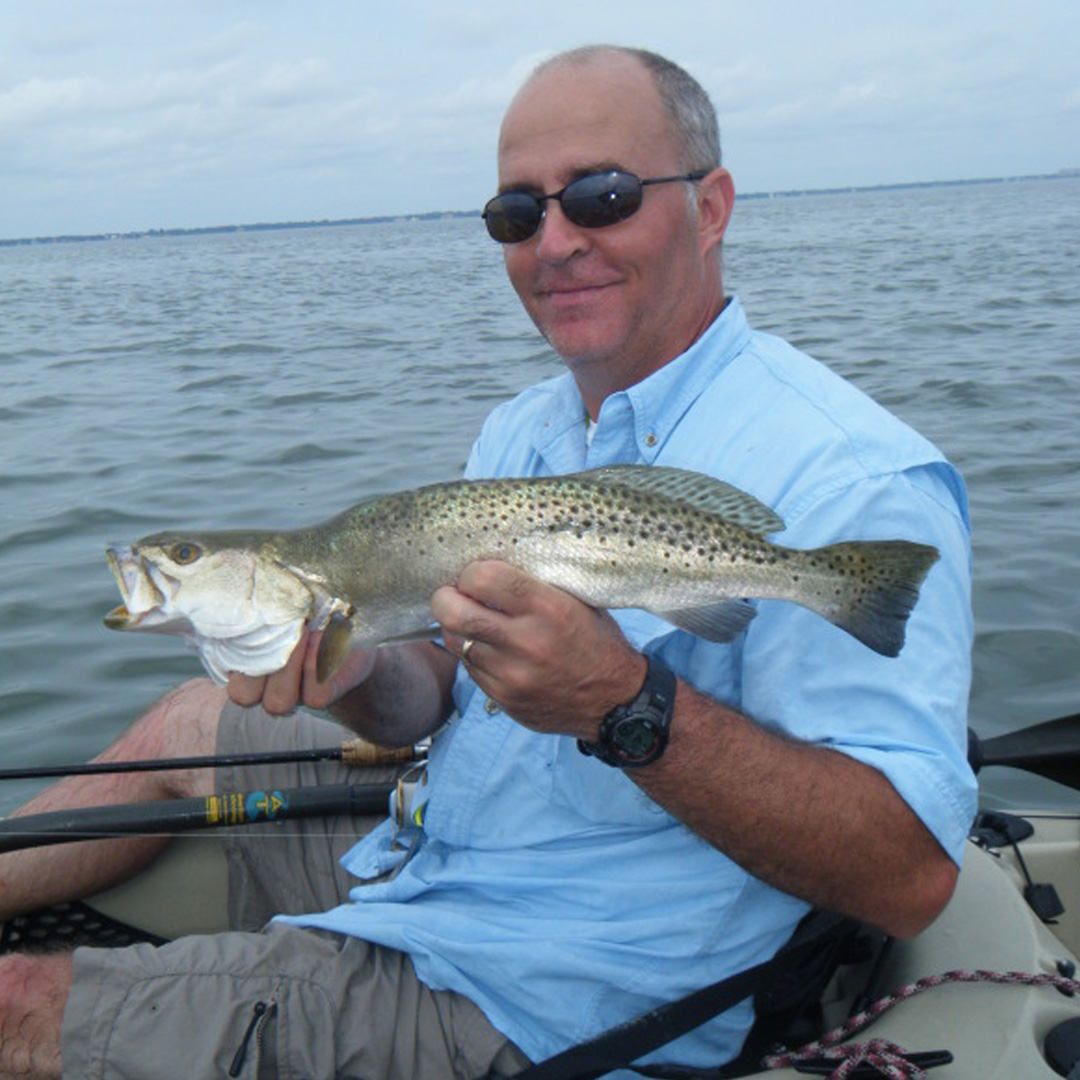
787,992
790,1008
67,926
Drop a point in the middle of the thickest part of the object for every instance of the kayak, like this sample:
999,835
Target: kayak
1004,1010
988,992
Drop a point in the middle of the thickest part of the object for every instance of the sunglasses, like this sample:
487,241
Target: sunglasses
591,202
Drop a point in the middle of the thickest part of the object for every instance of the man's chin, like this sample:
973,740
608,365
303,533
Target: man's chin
578,358
579,345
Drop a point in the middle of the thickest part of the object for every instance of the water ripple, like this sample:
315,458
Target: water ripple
272,379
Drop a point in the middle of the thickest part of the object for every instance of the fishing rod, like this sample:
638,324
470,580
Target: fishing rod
183,815
1050,749
353,752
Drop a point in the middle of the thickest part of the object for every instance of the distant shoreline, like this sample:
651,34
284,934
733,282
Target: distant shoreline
441,215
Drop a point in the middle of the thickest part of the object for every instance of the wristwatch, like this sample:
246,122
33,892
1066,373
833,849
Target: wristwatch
637,734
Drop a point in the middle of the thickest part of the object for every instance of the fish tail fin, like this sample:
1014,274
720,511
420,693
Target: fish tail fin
872,586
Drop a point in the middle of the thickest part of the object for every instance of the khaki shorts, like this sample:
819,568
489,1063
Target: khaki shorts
276,1001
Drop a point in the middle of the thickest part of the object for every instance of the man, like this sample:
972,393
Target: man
547,892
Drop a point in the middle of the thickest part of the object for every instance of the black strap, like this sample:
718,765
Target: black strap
617,1047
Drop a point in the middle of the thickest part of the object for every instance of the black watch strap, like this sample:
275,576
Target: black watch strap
636,734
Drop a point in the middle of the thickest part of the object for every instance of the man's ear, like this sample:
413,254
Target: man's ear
716,198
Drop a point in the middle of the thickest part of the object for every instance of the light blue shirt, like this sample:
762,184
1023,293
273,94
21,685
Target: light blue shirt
546,886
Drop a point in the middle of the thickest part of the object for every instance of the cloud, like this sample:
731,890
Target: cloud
483,93
130,114
184,119
39,102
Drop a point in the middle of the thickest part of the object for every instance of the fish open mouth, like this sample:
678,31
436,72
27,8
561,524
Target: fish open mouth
137,587
120,618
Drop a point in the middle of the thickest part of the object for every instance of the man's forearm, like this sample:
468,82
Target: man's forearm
405,698
811,821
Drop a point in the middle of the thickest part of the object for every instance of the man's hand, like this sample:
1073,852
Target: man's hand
553,663
295,684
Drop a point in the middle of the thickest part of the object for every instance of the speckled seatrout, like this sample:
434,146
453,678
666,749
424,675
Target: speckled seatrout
679,544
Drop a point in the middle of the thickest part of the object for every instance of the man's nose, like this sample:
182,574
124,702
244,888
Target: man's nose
559,238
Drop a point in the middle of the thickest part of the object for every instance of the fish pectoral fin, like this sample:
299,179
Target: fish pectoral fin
425,633
719,622
334,646
337,641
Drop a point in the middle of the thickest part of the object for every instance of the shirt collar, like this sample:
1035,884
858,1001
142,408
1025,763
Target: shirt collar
656,404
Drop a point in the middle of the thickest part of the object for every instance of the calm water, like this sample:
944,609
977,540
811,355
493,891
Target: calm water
267,379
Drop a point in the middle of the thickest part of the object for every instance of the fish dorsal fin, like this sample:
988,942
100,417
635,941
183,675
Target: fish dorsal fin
704,493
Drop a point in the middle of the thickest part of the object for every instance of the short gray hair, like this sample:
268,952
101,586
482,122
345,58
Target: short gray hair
692,114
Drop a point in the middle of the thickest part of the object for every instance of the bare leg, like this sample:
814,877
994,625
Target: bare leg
33,992
183,723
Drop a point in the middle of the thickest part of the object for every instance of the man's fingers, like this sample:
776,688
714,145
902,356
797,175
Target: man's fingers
488,597
245,690
463,615
279,692
297,683
499,586
282,693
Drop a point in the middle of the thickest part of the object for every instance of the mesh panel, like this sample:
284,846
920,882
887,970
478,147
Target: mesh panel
63,927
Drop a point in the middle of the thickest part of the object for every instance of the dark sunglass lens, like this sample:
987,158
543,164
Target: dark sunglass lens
602,199
512,217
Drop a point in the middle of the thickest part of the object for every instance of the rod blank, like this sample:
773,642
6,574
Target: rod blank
181,815
353,752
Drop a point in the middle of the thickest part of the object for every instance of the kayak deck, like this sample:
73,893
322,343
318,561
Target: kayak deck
994,1032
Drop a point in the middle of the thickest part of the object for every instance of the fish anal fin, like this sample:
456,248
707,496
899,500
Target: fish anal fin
720,622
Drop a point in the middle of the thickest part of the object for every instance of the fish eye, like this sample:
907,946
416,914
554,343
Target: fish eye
184,553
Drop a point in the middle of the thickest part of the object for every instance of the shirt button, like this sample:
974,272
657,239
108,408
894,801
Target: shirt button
492,707
650,439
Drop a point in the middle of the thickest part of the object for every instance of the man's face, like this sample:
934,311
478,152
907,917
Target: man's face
628,297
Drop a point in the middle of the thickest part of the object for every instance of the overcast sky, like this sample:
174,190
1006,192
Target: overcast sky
121,115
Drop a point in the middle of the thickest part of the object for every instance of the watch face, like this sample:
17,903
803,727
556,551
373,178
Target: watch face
634,738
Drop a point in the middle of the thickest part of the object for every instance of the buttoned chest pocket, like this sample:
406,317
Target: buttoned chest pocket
599,795
603,795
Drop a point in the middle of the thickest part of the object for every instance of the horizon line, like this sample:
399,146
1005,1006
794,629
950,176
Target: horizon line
439,215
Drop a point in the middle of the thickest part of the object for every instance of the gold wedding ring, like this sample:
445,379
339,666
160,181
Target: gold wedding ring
466,648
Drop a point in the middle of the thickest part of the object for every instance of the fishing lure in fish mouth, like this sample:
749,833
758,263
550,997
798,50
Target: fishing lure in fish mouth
684,546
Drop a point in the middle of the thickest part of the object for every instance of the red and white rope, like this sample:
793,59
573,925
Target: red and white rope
888,1058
